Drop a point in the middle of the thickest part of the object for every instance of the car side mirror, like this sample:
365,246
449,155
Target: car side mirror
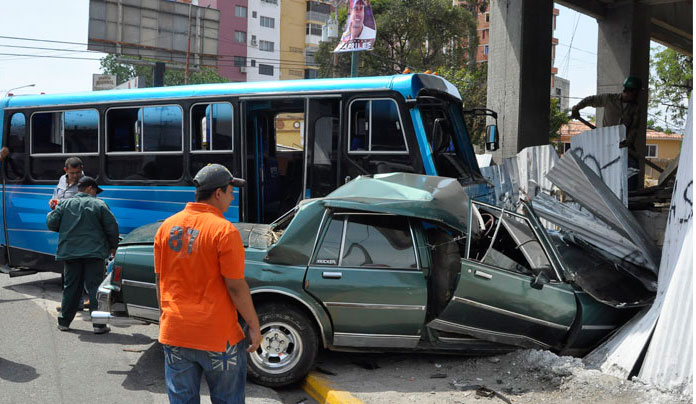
540,280
492,138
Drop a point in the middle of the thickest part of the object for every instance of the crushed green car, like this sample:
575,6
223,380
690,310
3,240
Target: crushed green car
404,262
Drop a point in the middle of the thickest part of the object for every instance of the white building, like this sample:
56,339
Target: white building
263,38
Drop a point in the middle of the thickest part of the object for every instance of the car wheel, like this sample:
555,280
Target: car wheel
288,348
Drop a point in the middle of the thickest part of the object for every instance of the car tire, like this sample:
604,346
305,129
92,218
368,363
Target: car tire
288,349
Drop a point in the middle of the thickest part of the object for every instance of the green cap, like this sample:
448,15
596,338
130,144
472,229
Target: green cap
215,176
633,83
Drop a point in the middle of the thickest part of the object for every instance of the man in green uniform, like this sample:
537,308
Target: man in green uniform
87,233
621,108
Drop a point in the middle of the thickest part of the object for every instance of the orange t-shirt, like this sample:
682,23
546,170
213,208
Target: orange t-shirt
194,251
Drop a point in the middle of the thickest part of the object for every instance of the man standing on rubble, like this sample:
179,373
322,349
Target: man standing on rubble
621,108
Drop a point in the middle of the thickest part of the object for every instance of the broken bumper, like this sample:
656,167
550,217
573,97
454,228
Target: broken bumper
107,312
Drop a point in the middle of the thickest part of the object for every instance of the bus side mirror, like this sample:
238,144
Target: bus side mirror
492,138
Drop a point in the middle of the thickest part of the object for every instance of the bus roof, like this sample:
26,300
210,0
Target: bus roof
407,84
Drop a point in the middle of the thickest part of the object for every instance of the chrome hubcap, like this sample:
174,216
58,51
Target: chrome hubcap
280,348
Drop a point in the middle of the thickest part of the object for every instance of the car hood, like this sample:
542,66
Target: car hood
440,199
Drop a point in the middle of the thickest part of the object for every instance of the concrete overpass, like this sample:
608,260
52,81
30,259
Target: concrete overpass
519,63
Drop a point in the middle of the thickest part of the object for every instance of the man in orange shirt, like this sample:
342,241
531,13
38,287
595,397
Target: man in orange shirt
199,269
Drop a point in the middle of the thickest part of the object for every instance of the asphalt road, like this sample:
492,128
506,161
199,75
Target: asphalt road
40,364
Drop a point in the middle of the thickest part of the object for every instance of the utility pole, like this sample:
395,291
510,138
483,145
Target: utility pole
188,46
354,62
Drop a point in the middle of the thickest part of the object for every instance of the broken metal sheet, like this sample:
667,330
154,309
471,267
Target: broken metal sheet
599,149
484,160
533,163
576,179
668,360
506,182
588,228
669,171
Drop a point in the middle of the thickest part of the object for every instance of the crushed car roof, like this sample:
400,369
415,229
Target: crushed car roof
439,199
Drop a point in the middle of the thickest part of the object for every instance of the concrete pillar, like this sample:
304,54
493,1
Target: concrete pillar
519,72
624,50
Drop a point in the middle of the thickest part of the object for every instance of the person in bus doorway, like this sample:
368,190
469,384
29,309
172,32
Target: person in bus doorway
87,234
199,277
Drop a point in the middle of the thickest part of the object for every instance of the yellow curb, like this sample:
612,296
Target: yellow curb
321,390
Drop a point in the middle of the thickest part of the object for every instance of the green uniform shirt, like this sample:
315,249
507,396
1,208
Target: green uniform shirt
616,112
86,228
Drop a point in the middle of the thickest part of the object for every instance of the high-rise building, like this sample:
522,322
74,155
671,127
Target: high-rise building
263,52
292,39
232,37
318,13
269,39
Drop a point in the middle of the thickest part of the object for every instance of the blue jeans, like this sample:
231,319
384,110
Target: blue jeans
225,373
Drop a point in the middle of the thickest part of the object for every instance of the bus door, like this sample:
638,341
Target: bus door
274,150
322,128
380,139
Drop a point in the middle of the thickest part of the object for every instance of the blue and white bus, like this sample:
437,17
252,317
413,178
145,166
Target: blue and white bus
144,146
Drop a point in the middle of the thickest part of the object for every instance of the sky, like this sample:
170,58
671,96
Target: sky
62,20
576,52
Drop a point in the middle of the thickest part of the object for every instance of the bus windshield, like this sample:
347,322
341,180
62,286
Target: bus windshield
448,137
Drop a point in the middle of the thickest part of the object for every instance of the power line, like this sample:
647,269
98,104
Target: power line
577,49
277,61
570,47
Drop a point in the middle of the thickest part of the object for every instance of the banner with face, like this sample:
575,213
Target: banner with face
361,30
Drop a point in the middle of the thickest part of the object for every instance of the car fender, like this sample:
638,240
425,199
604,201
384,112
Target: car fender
319,314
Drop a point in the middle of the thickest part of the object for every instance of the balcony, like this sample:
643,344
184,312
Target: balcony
317,16
312,39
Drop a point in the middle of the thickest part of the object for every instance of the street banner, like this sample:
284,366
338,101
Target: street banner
361,30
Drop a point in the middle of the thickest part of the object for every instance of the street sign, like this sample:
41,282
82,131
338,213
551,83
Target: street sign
103,82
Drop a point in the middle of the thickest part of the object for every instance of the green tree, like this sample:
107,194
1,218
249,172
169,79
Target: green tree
125,72
557,118
418,34
472,86
671,82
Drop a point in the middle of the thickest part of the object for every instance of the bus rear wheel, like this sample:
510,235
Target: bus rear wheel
288,348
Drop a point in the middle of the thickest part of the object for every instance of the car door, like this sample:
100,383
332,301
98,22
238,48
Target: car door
497,298
366,273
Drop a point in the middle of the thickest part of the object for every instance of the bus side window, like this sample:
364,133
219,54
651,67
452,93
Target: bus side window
55,134
144,143
376,127
81,131
212,128
360,126
15,142
386,127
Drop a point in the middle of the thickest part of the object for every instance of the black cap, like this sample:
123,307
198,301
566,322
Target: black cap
215,176
87,181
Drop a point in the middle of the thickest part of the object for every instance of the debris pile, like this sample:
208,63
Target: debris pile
584,195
